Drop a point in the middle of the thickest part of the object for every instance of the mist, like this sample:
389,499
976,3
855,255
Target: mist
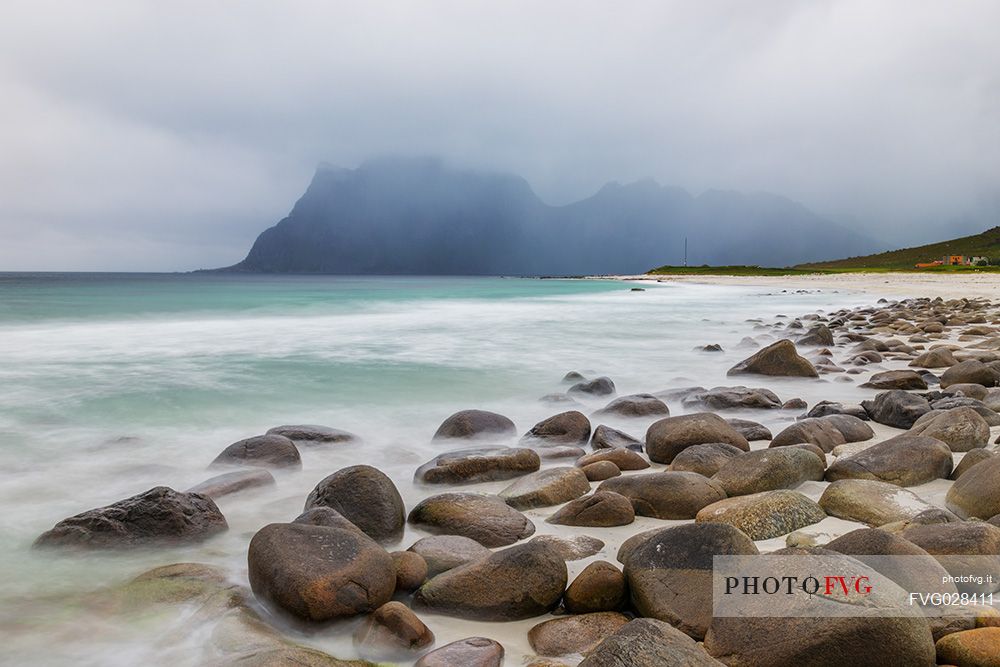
151,136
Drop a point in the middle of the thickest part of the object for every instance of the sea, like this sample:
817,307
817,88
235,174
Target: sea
111,384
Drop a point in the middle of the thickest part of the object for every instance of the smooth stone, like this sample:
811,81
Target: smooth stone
905,460
571,548
599,587
520,582
326,516
976,544
471,652
977,492
647,642
602,386
600,471
575,634
768,470
896,408
552,486
896,380
485,519
313,433
827,408
366,497
411,570
666,495
764,515
267,451
970,459
971,371
777,359
605,437
820,432
668,437
392,632
872,502
731,398
475,424
566,428
444,552
602,509
624,459
962,429
481,464
978,647
936,358
634,405
232,482
750,430
705,459
853,428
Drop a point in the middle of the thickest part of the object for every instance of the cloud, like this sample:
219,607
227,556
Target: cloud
165,136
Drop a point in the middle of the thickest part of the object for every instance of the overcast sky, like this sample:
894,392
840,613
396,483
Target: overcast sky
166,135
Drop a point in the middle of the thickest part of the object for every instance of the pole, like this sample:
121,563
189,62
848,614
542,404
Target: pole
685,251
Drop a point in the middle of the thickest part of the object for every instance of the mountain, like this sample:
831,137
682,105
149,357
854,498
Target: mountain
986,244
420,216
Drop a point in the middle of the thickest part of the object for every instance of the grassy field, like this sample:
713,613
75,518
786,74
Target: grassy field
804,270
986,244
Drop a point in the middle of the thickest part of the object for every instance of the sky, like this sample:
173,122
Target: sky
164,136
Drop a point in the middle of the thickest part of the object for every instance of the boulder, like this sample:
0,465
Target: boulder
670,574
605,437
572,548
666,495
599,587
970,459
647,642
392,632
519,582
820,432
906,460
575,634
976,391
668,437
852,428
767,470
598,471
265,451
817,335
729,398
481,464
602,386
896,408
825,408
962,429
313,434
978,647
750,430
485,519
705,459
471,652
971,371
475,424
602,509
779,359
233,482
964,548
319,573
896,380
872,502
764,515
565,428
634,405
160,516
977,492
444,552
624,459
552,486
366,497
939,357
411,570
326,516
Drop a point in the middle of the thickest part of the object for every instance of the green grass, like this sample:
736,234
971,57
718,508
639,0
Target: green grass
728,271
986,244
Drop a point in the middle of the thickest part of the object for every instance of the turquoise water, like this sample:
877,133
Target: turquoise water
112,384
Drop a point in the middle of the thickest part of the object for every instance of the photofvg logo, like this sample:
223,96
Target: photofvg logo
833,585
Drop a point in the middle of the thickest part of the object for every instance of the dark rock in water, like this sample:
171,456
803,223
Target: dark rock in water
599,587
977,492
647,642
962,429
269,451
779,359
852,428
319,573
571,548
713,347
950,403
598,471
764,515
970,459
475,424
976,391
624,459
635,405
602,386
825,408
519,582
486,519
550,452
232,482
906,460
940,357
575,634
705,459
678,394
552,486
670,574
313,433
819,432
971,371
482,464
896,380
160,516
366,497
750,430
794,404
666,495
602,509
392,632
559,399
872,502
573,377
817,335
565,428
444,552
668,437
638,289
326,516
411,570
767,470
726,398
471,652
896,408
605,437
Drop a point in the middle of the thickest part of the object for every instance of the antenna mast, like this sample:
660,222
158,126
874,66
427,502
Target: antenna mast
685,251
